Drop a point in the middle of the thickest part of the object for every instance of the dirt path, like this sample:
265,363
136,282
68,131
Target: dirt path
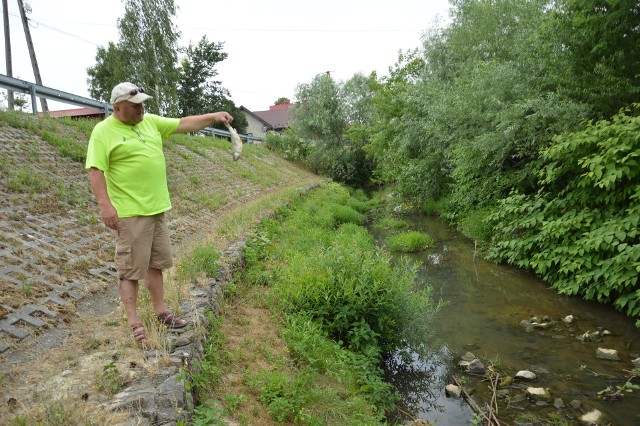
61,322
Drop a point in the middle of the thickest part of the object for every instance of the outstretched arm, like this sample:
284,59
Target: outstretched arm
194,123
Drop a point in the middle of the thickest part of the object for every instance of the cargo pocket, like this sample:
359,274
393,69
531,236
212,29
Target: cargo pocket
123,258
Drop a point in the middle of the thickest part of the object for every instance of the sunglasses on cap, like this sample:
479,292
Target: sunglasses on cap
129,95
136,91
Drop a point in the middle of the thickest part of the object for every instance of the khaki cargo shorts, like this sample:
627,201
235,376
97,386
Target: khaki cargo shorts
142,243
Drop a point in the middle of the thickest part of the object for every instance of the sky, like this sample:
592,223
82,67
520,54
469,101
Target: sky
272,46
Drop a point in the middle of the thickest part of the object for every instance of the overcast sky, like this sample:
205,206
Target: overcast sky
272,45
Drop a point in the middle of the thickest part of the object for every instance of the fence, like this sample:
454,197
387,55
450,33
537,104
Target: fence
36,90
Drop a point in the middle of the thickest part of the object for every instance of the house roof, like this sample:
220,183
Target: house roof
277,117
76,112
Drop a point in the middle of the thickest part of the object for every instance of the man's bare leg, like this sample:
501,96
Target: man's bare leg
154,282
128,290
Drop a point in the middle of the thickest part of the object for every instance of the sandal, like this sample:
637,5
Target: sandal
139,333
171,321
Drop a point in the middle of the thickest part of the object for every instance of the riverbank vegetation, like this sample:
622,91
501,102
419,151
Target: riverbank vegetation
334,305
516,120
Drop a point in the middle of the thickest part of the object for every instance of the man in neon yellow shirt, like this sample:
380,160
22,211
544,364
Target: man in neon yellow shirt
127,171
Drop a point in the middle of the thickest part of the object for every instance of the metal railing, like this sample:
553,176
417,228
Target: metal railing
36,90
248,138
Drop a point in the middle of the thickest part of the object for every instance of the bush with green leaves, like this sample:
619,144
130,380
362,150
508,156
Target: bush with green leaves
579,232
288,145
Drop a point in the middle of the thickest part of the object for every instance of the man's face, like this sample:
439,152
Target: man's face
128,112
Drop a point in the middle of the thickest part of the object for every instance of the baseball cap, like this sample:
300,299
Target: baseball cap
128,92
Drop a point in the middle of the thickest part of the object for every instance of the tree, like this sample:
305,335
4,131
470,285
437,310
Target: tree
356,95
196,90
146,55
596,44
148,40
318,114
110,69
282,101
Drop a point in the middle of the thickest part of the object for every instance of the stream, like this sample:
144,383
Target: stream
485,305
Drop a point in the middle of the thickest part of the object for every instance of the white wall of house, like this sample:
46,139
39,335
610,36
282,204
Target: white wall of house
255,127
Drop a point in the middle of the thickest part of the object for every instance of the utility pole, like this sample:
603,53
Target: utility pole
32,54
7,51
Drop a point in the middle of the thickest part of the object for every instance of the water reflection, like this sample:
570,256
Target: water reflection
422,377
485,306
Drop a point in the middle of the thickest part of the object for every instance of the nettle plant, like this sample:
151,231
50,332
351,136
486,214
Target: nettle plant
579,232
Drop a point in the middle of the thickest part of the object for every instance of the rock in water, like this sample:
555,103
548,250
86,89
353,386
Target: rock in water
608,354
235,141
525,375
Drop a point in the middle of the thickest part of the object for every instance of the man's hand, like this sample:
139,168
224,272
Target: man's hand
195,123
223,117
108,213
109,216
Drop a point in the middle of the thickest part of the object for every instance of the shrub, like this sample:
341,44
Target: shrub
355,292
579,232
346,214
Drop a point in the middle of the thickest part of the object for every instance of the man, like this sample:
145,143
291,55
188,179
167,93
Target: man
127,171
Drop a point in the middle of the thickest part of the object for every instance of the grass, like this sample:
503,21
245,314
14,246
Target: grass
273,357
410,241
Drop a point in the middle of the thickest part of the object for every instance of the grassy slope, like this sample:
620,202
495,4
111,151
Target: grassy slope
45,194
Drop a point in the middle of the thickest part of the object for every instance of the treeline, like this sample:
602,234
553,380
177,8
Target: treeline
181,79
516,120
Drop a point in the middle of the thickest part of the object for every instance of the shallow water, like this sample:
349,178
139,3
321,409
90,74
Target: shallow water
485,305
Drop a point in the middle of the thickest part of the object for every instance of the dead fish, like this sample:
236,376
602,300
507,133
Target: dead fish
235,141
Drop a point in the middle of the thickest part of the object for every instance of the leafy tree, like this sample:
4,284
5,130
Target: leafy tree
148,40
282,101
146,54
110,69
329,122
597,42
318,114
356,94
198,92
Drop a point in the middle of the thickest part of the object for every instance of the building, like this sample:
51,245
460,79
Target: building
277,118
76,113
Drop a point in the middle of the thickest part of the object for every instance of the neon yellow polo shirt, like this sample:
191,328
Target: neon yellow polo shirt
133,163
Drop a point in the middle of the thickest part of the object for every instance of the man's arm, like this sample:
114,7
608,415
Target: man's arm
194,123
108,213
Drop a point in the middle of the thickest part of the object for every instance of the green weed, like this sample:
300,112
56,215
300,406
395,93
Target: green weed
410,241
110,380
389,223
24,180
201,260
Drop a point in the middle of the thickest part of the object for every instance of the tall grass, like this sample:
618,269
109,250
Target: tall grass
327,273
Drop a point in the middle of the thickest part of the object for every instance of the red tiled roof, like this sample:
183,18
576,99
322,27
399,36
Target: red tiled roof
76,112
286,105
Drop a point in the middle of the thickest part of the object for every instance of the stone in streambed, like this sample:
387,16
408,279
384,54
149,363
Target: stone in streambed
607,354
538,394
526,375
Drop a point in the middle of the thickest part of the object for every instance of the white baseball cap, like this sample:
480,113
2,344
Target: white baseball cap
128,92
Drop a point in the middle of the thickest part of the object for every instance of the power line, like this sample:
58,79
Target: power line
58,30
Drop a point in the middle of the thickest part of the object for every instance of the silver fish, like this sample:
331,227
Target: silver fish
235,141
